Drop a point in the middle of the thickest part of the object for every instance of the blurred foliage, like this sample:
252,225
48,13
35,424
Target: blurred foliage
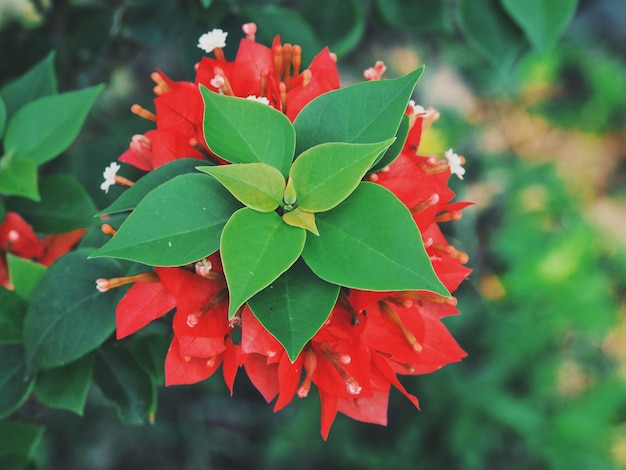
543,386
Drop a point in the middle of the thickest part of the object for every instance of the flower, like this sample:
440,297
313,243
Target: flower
215,38
18,238
455,162
109,175
369,338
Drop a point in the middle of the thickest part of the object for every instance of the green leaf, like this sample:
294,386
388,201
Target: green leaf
177,223
150,351
396,148
25,275
11,316
258,186
294,307
339,25
123,381
367,112
37,82
542,21
64,206
67,316
256,248
422,16
300,218
132,196
3,117
44,128
19,442
66,387
490,31
326,174
246,131
371,242
15,382
18,177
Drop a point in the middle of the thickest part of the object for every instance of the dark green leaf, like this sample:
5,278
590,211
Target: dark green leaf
44,128
396,148
258,186
25,275
294,307
123,381
422,16
246,131
177,223
132,196
367,112
543,21
18,177
67,316
19,441
11,317
273,20
150,351
15,382
326,174
64,206
338,25
66,387
3,117
490,31
371,242
256,248
37,82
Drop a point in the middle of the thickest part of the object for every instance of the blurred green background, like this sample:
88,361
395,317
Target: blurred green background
540,114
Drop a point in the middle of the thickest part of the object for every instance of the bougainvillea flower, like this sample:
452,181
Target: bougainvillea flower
258,71
369,338
18,238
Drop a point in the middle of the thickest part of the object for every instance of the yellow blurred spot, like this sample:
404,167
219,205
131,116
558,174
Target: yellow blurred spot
491,287
571,379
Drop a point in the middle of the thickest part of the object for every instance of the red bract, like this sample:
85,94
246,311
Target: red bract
259,71
370,338
18,238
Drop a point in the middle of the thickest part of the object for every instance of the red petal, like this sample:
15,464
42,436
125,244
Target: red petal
329,405
252,59
186,370
233,359
144,302
263,376
256,339
288,378
57,245
367,409
17,237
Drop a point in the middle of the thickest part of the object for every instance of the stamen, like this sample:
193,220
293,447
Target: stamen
108,229
427,296
296,59
448,216
376,72
395,318
403,303
278,61
211,361
452,252
282,88
249,29
161,85
203,267
286,63
104,285
345,303
219,54
264,80
310,363
194,318
338,360
306,77
430,201
13,236
122,181
143,112
220,82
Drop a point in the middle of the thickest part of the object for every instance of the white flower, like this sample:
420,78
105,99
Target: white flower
417,110
109,174
211,40
261,99
456,163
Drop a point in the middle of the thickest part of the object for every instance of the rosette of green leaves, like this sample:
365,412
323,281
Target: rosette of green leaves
291,216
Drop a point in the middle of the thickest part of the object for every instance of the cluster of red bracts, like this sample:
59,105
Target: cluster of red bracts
370,337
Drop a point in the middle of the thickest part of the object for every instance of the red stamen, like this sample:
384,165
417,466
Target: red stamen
432,200
104,285
108,229
395,318
143,113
